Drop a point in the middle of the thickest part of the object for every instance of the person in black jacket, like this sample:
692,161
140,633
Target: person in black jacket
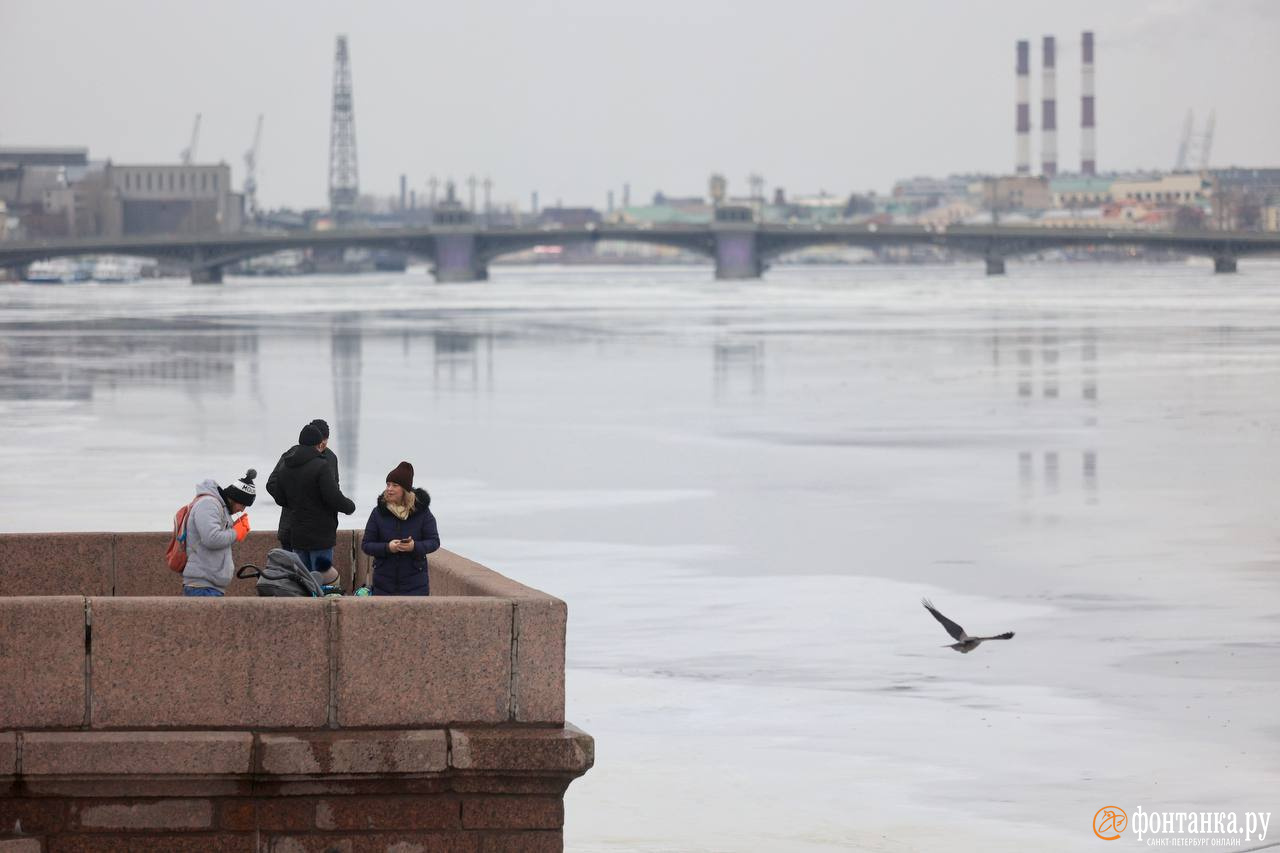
400,534
308,484
277,493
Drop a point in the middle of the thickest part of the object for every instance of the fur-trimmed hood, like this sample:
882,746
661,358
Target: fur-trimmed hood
422,502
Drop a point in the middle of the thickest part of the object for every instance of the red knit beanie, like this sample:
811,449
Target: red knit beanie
402,475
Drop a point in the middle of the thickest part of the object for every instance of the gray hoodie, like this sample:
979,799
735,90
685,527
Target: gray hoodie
209,540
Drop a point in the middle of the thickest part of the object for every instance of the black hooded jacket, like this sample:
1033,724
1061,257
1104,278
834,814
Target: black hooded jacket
277,494
307,486
402,573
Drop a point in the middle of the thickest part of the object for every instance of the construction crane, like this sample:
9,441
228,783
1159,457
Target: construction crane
251,171
1195,147
189,153
1184,147
1206,142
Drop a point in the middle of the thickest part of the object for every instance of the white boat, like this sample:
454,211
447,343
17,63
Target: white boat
57,271
111,268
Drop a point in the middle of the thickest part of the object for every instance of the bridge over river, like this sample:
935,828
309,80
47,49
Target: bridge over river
740,247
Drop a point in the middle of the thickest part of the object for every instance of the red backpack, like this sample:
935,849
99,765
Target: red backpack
175,556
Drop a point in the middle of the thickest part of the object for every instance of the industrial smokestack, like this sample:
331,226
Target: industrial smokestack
1049,112
1088,143
1023,109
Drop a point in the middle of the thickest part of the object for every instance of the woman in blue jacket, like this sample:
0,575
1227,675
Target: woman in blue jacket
400,534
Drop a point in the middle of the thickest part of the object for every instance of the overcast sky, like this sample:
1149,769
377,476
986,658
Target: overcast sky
574,97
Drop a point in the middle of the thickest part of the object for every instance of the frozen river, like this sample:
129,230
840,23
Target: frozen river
743,490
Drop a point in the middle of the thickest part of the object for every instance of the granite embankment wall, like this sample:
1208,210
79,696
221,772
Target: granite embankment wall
133,718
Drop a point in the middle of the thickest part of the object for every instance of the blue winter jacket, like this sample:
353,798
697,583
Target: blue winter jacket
402,573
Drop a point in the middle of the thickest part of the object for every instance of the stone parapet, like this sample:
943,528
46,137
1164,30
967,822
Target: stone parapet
133,718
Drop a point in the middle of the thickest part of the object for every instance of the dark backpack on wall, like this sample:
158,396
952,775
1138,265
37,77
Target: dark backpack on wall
284,576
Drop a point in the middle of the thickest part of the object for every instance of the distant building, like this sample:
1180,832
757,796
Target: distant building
1017,192
1271,218
1173,189
36,156
570,217
925,193
1080,191
174,199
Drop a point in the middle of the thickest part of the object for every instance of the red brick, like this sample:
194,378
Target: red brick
32,816
317,843
8,753
222,842
529,841
512,813
237,813
145,814
286,813
422,812
416,842
42,663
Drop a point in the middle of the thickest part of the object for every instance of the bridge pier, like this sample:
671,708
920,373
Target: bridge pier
456,259
1224,263
206,275
737,256
995,264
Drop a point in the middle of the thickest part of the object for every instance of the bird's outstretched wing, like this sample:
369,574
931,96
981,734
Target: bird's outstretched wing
953,629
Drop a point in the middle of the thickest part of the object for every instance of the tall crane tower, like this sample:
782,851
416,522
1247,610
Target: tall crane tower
251,171
344,177
189,153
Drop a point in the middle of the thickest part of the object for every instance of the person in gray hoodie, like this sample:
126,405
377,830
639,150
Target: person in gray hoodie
211,533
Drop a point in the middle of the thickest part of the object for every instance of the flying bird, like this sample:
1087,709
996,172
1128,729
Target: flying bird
963,642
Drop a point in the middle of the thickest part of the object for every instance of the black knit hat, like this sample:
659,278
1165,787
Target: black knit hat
310,436
322,426
242,491
402,475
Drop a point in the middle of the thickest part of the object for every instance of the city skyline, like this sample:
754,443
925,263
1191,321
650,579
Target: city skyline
573,99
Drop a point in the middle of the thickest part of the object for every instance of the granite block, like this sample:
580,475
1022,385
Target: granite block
216,663
55,564
423,662
140,568
560,750
539,681
354,752
42,664
117,754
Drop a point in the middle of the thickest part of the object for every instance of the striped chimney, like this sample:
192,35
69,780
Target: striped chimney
1088,143
1049,112
1023,108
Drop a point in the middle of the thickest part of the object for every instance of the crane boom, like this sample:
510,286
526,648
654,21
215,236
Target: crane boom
189,153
